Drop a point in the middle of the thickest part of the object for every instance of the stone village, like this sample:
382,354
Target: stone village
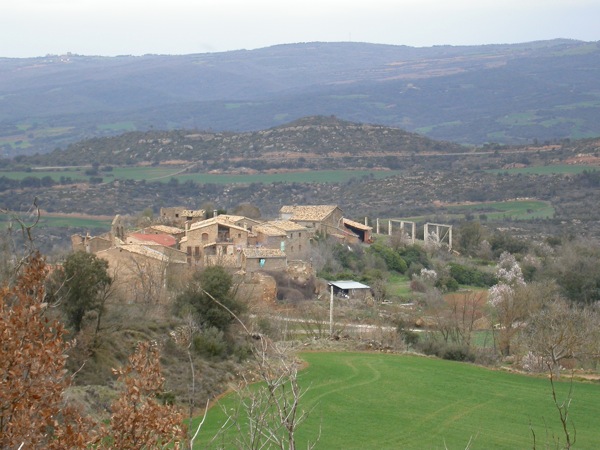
182,240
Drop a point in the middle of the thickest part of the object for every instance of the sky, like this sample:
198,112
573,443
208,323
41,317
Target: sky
135,27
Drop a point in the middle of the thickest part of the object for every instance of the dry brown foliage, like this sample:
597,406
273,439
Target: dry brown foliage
33,413
33,378
138,419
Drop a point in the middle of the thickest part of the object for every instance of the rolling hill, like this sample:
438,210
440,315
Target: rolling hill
495,93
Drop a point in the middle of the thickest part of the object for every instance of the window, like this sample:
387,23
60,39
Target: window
204,237
189,250
196,251
299,235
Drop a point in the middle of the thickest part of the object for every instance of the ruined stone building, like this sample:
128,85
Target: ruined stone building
179,215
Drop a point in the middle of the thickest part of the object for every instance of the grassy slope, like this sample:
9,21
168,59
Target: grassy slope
390,401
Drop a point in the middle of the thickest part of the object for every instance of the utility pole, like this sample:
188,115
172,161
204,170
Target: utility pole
331,312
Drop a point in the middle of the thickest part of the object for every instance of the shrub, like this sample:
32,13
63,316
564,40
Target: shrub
211,343
446,350
447,284
471,276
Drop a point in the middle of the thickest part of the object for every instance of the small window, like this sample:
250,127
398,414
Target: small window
196,251
239,235
189,250
176,215
299,235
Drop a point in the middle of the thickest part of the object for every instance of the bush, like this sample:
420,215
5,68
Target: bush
392,258
446,350
211,343
447,284
457,352
470,276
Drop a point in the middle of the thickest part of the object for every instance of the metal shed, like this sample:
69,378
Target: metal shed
349,289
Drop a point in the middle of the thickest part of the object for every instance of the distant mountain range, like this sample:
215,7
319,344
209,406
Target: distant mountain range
519,93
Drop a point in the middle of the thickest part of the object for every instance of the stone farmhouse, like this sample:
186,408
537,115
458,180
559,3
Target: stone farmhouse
327,220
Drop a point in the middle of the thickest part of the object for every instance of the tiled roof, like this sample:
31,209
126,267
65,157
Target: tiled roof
167,229
357,225
163,239
269,230
144,251
231,217
286,225
308,212
262,252
215,220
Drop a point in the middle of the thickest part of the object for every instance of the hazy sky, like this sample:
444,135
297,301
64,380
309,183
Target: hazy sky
120,27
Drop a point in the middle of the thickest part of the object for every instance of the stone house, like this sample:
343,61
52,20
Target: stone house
90,244
179,215
214,241
261,258
240,221
290,237
176,232
324,219
142,273
94,244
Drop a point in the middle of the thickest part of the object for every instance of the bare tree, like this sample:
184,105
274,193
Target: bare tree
562,331
464,310
569,432
268,417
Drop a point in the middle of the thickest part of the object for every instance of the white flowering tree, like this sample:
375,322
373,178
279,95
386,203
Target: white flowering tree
508,311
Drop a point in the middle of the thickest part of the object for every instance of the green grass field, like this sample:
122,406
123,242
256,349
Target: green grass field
165,174
399,286
62,222
377,401
565,169
315,176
